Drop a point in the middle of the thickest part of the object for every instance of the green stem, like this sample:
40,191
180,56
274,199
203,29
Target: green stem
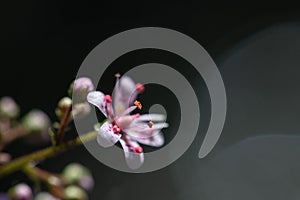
19,163
66,119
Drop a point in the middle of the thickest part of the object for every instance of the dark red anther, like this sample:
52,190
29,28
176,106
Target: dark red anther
138,150
116,129
108,99
140,88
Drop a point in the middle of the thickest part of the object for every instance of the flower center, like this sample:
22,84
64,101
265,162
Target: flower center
116,129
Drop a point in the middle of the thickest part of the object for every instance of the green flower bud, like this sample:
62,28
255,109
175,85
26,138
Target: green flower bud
45,196
75,173
64,103
75,193
36,121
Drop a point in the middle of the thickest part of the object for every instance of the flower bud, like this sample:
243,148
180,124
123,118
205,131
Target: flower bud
4,158
4,196
81,88
81,109
36,121
75,193
76,173
87,182
45,196
64,104
20,192
8,108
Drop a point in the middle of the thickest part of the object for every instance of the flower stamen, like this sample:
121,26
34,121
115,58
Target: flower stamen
117,75
150,124
138,104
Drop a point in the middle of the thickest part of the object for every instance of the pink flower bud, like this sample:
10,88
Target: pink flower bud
87,182
8,107
4,196
20,192
82,87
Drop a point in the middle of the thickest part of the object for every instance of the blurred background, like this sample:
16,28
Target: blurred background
257,50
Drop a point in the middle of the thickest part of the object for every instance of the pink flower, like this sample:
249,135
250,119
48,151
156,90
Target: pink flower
129,130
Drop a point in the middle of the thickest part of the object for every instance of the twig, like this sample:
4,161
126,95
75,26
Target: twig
12,134
19,163
66,119
54,182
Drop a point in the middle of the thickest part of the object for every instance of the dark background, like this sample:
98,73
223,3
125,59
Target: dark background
44,42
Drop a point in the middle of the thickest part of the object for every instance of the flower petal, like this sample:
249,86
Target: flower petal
134,160
128,110
157,140
97,99
124,94
152,117
106,137
144,128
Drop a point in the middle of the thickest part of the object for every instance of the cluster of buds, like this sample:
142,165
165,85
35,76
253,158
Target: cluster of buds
33,126
74,105
73,184
75,180
121,125
77,98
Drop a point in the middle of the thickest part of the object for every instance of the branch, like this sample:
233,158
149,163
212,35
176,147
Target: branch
19,163
66,119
